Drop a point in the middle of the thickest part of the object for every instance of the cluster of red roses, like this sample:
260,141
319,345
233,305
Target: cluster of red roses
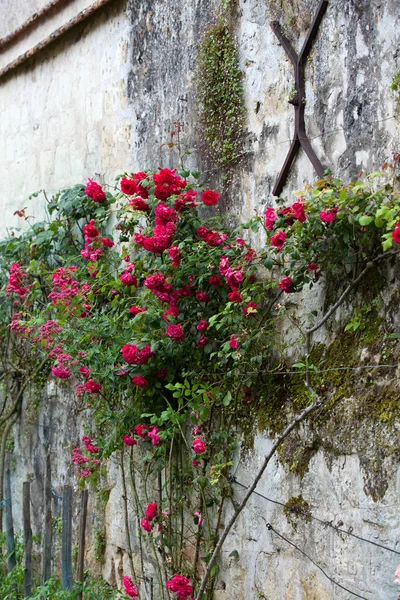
65,288
95,191
180,586
16,281
130,589
80,459
290,214
151,513
145,432
94,246
165,218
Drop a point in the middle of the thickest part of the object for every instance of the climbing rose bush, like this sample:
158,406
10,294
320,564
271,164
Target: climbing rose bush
163,323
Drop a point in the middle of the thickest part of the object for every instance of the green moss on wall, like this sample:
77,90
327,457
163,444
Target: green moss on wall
360,409
297,508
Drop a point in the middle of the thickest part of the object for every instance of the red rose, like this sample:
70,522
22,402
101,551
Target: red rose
234,296
209,198
128,186
91,387
312,267
135,310
140,381
140,430
133,356
285,284
174,254
175,332
329,216
107,243
202,341
180,586
151,511
252,305
269,218
139,204
94,191
202,297
90,230
164,214
201,232
146,525
233,343
298,211
396,234
127,279
130,589
202,325
160,374
215,280
199,446
128,440
85,371
278,240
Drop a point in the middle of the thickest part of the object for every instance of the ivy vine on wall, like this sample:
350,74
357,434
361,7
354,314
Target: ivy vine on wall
220,91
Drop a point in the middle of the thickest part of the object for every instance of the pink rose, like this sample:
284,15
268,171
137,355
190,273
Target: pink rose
61,372
153,435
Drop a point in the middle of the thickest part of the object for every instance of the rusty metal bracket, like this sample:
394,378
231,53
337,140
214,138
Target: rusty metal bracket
299,100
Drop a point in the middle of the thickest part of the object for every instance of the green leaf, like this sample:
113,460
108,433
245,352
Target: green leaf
255,226
387,244
227,399
365,220
268,263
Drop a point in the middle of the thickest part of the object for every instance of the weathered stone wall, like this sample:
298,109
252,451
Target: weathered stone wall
103,99
63,114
